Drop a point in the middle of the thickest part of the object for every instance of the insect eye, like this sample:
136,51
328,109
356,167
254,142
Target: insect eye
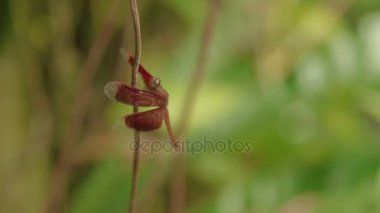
155,83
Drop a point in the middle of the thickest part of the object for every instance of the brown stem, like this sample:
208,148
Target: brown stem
135,164
199,71
63,170
178,183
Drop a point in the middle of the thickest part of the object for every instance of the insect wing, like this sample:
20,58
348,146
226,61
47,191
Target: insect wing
145,121
126,94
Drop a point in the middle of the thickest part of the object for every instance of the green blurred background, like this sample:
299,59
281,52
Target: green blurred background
298,79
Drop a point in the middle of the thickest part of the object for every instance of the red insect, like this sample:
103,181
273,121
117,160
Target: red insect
153,95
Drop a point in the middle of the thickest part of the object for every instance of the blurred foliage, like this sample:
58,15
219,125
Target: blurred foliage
4,20
298,80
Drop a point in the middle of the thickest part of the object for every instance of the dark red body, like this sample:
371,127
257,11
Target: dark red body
154,95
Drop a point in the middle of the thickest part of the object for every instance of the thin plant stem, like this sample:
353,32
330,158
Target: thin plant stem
136,154
178,182
200,68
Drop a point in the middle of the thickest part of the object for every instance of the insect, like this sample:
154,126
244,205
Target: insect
153,95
